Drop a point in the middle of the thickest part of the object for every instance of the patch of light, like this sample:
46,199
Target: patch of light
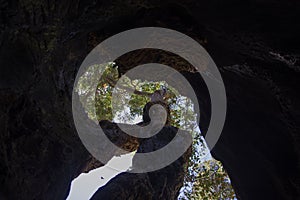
86,184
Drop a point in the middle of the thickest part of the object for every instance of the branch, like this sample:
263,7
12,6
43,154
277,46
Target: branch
137,92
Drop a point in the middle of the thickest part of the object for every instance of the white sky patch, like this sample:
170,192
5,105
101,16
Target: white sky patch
86,184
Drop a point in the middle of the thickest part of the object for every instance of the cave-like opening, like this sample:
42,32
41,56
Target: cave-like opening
205,177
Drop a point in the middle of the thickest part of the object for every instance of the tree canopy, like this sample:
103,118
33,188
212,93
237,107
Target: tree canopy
206,177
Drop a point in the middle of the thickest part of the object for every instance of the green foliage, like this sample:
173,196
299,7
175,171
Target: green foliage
205,178
97,103
208,180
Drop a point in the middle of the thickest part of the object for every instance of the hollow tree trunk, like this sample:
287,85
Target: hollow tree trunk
254,43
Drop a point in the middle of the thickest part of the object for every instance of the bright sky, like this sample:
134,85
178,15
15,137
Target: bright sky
86,184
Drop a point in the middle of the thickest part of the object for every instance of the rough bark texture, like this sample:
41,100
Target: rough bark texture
255,45
161,184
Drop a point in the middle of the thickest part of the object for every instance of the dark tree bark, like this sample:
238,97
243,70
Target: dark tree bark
161,184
